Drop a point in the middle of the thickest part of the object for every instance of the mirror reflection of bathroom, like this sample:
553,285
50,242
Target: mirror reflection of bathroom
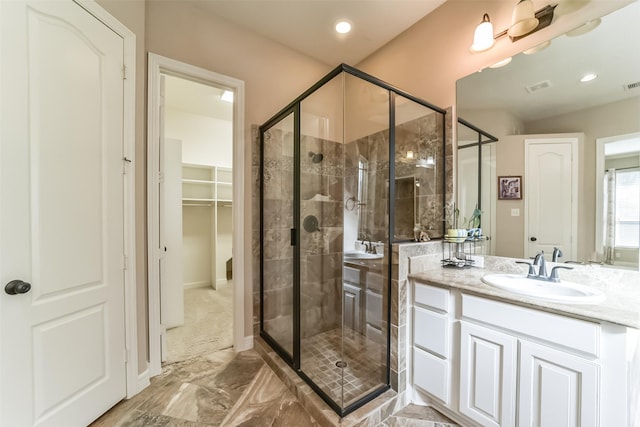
196,223
539,109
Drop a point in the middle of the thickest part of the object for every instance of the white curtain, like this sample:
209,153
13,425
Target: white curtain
609,215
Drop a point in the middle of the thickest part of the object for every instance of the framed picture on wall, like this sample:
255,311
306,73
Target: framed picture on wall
509,187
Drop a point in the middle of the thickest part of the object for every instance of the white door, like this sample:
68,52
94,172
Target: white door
171,278
62,355
550,192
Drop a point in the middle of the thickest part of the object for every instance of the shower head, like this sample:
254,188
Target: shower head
316,157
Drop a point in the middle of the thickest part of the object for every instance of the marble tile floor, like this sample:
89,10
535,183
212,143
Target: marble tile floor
221,389
417,416
239,389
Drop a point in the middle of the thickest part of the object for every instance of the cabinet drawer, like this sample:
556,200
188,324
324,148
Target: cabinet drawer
578,335
431,374
351,274
432,297
431,331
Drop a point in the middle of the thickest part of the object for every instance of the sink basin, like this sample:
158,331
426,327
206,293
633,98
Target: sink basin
562,292
360,255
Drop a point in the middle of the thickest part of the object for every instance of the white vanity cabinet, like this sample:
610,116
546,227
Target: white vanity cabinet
432,341
484,362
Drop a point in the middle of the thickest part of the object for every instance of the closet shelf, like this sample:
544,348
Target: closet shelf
198,181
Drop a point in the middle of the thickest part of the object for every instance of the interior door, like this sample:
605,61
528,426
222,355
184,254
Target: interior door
171,278
62,354
550,180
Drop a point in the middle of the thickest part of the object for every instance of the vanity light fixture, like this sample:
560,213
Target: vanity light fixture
569,6
483,36
588,77
584,28
501,63
537,48
427,163
343,26
523,19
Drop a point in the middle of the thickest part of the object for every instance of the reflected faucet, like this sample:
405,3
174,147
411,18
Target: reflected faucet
368,248
557,253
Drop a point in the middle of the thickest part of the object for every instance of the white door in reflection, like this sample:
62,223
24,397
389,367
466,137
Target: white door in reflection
550,194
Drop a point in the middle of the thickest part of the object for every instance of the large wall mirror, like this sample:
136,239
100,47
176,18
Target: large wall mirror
572,146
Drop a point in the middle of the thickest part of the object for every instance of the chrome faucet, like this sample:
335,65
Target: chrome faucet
540,262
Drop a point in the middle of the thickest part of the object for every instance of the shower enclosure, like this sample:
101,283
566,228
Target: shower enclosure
348,168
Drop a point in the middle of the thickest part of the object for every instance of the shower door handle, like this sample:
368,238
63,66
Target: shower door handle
293,237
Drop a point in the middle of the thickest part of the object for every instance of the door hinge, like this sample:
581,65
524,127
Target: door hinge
125,163
160,177
125,262
126,355
124,72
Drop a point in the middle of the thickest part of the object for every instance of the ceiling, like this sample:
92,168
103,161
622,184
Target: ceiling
308,25
610,51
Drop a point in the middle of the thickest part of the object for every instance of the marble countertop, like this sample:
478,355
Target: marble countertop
622,305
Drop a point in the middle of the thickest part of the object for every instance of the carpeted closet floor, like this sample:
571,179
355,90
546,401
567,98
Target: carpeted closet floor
208,323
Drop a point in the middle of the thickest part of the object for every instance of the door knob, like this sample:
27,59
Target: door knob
533,239
16,287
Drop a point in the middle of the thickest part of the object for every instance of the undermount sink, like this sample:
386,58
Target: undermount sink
361,255
562,292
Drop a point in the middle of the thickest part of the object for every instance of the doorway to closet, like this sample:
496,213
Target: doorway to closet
196,275
204,175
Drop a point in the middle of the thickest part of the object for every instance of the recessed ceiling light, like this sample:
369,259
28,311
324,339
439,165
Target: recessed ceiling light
343,26
588,77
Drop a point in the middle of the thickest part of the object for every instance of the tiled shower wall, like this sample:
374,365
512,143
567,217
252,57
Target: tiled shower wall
321,189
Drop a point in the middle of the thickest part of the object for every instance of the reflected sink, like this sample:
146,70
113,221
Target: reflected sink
361,255
562,292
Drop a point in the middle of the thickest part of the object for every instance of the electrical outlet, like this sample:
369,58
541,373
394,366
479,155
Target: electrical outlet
617,254
515,211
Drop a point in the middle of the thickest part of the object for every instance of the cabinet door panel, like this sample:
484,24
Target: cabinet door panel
431,374
487,375
556,389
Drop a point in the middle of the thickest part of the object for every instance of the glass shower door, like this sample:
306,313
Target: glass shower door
278,257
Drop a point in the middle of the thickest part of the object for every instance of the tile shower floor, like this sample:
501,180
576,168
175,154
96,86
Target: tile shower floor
364,371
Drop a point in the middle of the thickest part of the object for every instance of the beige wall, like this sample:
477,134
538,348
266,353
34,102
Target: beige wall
273,74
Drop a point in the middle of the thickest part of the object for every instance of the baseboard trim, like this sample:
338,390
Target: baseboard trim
245,343
203,284
143,381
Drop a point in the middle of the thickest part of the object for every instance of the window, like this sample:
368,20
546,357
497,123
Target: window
628,208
